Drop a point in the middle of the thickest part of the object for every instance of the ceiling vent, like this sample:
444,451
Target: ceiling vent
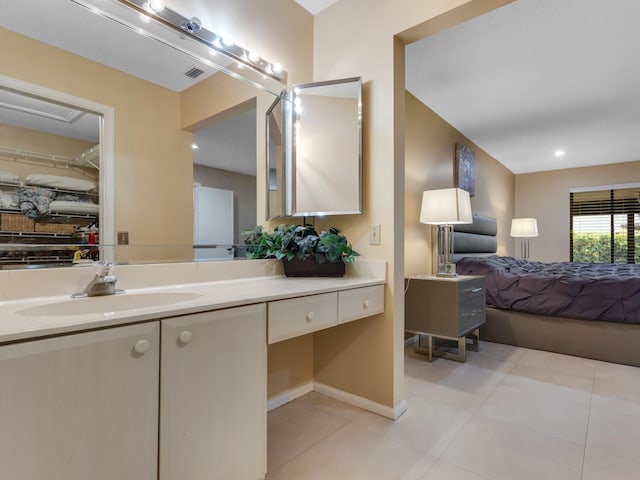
194,72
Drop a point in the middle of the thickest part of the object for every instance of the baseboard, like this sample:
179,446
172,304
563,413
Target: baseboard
289,396
361,402
340,395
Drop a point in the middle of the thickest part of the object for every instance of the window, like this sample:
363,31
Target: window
605,226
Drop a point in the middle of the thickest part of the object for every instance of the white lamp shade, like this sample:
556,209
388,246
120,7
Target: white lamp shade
524,227
446,206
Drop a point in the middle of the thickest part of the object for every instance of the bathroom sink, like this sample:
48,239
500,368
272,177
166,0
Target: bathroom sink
106,304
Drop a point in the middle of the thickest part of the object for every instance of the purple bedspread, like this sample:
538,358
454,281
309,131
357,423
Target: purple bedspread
590,291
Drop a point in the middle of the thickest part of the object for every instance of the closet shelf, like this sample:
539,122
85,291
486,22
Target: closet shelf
89,158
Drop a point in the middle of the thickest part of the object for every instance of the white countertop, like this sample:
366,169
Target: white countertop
16,326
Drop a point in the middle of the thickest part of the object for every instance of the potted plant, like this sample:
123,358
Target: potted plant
302,250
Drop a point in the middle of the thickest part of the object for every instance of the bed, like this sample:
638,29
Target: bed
587,310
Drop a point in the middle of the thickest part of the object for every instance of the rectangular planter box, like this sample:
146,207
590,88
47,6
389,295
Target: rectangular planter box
310,268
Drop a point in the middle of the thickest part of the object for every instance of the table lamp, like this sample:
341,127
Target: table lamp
524,228
445,208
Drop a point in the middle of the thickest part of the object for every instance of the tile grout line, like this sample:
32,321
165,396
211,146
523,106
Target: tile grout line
473,415
339,427
586,435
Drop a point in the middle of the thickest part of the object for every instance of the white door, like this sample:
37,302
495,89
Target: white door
212,223
213,391
81,407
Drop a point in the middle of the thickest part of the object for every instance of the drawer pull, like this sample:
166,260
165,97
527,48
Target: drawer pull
141,346
185,337
473,314
474,290
365,304
309,316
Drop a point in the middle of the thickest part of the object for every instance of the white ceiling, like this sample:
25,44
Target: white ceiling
72,27
316,6
536,76
41,115
229,144
520,82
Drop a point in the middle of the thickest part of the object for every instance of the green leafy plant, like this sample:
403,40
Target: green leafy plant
299,241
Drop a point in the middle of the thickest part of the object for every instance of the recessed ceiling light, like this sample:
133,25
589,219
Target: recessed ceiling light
194,146
560,153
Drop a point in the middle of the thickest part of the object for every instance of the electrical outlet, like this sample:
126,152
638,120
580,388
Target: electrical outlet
374,234
123,238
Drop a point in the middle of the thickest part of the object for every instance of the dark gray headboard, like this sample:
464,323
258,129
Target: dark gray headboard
477,239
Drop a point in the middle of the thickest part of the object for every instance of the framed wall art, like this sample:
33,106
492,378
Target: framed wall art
464,169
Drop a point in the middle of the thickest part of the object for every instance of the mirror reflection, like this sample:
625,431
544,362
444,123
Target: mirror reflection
49,182
326,147
276,149
224,176
165,98
314,135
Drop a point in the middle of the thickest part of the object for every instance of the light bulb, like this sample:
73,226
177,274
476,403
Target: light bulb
254,57
156,6
277,67
227,42
194,146
217,43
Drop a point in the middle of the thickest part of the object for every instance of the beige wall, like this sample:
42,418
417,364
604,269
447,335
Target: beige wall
429,164
545,196
356,37
244,194
40,142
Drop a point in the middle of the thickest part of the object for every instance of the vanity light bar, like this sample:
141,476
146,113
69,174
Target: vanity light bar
193,28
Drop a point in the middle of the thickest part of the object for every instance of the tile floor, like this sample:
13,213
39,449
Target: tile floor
507,413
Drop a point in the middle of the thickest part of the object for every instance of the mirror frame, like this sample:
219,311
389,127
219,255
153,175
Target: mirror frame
287,100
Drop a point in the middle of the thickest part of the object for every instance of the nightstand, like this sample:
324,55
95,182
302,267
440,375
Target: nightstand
443,311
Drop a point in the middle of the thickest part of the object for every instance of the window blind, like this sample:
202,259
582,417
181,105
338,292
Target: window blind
608,216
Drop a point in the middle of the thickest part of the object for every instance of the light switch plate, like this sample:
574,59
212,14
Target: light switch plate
374,234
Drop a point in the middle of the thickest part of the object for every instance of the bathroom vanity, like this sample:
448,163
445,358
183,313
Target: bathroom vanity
165,382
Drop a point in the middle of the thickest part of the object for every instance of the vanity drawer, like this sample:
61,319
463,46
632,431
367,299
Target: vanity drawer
299,316
360,302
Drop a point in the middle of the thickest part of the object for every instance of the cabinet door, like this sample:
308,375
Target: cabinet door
213,420
81,406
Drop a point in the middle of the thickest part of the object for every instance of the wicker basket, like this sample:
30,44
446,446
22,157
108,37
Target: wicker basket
55,228
12,222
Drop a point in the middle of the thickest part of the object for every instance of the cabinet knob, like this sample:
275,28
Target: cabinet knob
365,304
185,336
309,316
142,346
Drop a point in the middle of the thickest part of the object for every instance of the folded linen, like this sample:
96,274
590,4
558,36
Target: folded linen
9,177
64,183
64,206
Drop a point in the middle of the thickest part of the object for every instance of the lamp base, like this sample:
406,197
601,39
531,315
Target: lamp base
447,270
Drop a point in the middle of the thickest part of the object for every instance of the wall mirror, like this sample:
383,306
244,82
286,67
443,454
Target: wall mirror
314,150
153,168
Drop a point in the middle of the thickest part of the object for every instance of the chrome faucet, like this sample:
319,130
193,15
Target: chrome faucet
103,283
